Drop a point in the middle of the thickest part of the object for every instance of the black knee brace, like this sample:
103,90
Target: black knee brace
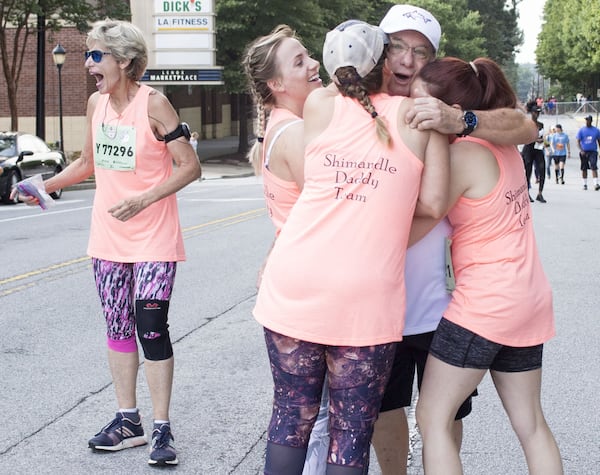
153,329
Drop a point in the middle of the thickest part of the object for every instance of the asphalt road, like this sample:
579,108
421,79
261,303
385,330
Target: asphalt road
56,390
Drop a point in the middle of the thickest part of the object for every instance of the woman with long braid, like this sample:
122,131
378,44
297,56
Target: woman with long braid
332,294
281,75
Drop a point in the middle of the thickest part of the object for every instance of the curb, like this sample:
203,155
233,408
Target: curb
84,185
91,183
224,177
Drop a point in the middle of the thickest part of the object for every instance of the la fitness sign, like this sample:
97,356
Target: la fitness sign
184,13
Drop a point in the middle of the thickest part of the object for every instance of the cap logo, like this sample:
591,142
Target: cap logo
415,15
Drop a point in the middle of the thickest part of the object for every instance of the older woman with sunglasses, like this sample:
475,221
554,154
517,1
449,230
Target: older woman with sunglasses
133,137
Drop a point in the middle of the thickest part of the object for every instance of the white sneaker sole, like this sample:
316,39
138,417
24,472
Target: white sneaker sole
125,444
163,462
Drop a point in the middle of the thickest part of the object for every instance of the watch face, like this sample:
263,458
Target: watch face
470,119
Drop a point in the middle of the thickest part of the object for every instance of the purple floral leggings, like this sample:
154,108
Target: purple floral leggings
357,379
120,285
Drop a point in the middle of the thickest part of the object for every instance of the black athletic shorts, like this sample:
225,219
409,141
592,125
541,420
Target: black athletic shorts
460,347
411,354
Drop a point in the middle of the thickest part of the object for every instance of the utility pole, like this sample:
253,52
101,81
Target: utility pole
40,111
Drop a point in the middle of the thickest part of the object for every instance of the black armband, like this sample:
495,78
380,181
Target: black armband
182,130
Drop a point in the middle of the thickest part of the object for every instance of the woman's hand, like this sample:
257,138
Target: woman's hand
128,208
27,199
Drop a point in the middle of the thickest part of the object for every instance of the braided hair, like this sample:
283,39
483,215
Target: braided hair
260,66
350,84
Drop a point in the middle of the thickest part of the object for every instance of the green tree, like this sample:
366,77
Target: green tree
240,21
475,28
18,23
501,33
462,29
551,55
525,88
567,49
470,29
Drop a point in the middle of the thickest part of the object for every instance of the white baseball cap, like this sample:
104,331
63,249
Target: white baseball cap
353,43
408,17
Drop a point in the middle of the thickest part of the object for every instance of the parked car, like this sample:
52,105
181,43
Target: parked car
23,155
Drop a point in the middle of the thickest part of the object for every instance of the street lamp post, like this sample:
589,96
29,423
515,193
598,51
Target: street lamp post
58,55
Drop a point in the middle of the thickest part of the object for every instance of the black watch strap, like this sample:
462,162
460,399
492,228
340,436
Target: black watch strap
470,120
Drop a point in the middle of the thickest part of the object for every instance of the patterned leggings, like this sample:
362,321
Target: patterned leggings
120,285
357,379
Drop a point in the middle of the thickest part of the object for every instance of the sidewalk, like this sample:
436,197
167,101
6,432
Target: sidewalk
219,159
216,168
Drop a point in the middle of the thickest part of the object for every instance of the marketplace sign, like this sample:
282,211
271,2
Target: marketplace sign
183,76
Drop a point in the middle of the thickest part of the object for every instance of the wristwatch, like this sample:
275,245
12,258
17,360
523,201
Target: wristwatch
470,120
182,130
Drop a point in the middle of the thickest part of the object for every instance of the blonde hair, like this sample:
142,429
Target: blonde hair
125,42
260,66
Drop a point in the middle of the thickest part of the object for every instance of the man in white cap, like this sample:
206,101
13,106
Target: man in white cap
416,31
414,38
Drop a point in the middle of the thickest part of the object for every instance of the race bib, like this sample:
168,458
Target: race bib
115,147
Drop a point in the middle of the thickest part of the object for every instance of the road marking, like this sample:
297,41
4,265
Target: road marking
43,214
188,232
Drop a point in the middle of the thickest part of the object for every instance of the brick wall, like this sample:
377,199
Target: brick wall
77,85
196,104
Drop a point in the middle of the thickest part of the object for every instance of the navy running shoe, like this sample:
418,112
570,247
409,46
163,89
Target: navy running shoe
163,450
123,432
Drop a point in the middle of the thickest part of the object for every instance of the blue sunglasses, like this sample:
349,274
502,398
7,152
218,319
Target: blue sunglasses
96,55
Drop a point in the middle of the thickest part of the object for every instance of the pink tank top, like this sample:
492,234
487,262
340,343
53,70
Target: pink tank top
280,195
128,160
336,273
502,292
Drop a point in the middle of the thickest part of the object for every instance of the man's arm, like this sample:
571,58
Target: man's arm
501,126
505,126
